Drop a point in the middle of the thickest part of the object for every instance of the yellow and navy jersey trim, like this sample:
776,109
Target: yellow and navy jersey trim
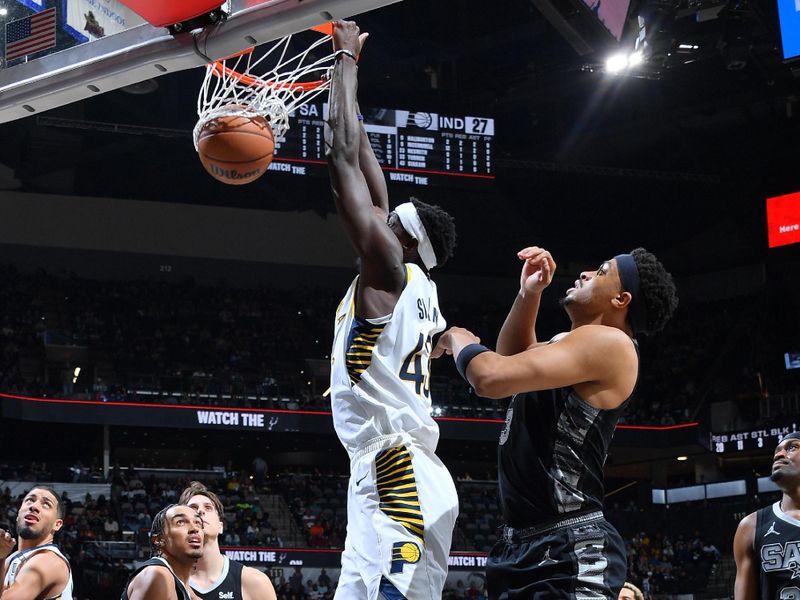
360,344
397,490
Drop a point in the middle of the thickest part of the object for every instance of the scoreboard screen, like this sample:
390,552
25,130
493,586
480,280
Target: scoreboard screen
755,439
418,148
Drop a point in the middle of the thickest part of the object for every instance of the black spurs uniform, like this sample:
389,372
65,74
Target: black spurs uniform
556,543
180,588
228,585
777,548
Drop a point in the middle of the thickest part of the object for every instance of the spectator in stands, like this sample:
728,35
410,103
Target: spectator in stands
111,527
251,535
259,472
296,583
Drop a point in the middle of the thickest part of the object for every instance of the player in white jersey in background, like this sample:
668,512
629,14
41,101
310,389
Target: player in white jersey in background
38,569
402,504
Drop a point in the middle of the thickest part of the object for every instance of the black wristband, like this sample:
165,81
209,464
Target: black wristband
466,355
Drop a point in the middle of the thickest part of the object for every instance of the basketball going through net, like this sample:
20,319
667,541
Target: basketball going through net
245,102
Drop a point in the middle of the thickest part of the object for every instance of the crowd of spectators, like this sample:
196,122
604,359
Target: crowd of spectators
670,565
300,587
190,343
319,505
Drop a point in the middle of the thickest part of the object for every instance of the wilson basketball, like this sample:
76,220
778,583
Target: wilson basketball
235,149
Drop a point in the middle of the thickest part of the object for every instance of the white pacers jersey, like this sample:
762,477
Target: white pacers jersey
17,560
380,368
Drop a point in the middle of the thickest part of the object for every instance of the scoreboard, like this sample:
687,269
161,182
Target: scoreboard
418,148
755,439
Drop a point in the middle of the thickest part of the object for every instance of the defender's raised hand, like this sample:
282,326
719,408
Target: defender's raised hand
537,270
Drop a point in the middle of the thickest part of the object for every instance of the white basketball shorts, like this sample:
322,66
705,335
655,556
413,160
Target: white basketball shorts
401,509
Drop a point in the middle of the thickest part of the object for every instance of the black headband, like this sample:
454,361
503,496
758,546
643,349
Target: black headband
795,435
629,276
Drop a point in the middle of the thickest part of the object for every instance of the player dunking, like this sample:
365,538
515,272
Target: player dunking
556,543
402,503
176,537
37,569
215,576
767,542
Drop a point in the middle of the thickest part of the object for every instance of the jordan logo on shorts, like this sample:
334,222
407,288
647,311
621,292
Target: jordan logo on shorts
404,553
546,559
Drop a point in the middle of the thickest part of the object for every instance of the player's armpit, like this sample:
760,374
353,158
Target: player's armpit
746,585
44,575
256,585
592,353
365,224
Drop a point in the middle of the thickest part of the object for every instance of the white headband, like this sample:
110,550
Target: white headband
407,213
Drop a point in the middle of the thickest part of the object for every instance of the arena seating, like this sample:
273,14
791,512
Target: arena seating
187,343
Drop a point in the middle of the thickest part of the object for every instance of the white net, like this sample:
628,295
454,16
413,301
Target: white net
270,86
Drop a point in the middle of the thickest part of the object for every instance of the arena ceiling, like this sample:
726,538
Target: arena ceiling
679,157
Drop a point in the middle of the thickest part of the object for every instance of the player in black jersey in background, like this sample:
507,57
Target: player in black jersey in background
176,537
767,542
556,543
216,576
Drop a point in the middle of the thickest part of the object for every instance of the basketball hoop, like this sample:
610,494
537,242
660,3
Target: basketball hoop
271,86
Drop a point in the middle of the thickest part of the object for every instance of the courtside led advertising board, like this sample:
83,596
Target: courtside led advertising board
783,220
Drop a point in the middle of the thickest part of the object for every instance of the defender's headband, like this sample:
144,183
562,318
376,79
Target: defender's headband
629,276
795,435
407,213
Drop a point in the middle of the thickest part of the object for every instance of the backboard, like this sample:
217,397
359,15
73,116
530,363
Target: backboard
62,51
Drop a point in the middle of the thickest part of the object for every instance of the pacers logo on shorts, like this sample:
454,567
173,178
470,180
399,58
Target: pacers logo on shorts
404,553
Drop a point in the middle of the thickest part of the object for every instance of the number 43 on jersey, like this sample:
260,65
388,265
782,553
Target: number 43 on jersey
413,368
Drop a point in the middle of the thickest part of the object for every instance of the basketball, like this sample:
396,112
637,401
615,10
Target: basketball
236,149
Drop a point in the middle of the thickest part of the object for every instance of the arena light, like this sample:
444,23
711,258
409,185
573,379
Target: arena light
682,458
616,63
75,374
3,12
623,61
635,58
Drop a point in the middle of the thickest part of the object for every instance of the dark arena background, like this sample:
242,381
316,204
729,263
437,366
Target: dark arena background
157,326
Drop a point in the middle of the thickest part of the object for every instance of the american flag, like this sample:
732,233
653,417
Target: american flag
31,34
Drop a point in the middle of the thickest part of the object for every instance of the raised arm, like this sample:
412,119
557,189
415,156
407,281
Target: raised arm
380,251
519,329
601,356
371,169
746,585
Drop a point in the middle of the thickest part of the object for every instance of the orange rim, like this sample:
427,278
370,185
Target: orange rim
220,69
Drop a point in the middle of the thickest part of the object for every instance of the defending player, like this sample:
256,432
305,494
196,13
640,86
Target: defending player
38,569
402,503
767,542
556,543
215,576
176,537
